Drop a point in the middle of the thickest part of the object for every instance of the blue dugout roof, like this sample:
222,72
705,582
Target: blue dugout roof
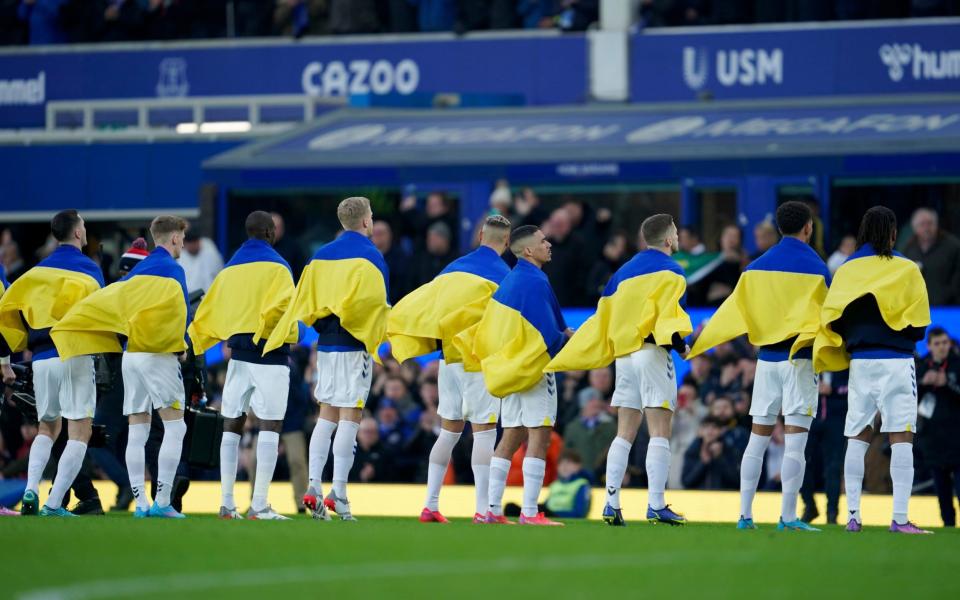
385,147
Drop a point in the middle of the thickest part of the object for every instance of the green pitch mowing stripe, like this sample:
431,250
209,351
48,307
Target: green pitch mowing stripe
202,557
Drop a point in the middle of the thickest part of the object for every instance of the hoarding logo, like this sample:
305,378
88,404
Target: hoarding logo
922,65
172,82
24,92
741,67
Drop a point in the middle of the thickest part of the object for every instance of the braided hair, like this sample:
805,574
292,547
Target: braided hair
879,229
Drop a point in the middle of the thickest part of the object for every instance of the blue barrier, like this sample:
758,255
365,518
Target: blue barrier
912,57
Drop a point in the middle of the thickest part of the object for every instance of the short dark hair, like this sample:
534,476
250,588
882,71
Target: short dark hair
260,226
879,229
520,234
571,455
793,216
64,223
691,230
935,331
654,229
715,421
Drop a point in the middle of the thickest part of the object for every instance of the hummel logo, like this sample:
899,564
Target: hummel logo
853,512
612,491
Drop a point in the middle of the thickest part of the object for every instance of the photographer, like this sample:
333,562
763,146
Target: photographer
938,378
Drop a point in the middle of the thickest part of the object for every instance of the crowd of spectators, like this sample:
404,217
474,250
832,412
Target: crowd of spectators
711,425
66,21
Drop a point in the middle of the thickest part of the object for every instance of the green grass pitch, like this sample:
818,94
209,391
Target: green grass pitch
202,557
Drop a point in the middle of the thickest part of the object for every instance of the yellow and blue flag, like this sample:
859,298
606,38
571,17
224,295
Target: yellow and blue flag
439,310
249,296
643,299
41,297
347,278
148,307
777,298
898,287
4,284
522,328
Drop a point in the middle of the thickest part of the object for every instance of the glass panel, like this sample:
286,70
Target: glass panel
718,208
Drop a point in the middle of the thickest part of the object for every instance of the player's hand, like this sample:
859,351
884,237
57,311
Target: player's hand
825,388
568,332
686,351
8,375
408,203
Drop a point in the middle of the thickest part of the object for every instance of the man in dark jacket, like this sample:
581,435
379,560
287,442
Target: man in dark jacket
938,379
710,463
938,255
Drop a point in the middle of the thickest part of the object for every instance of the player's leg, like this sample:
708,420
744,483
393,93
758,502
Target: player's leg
801,392
659,421
764,409
450,409
356,374
46,387
510,441
237,390
483,411
858,428
539,414
137,408
322,436
626,399
898,415
167,393
71,460
269,404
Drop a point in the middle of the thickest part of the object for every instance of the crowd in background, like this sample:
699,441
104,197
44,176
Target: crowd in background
711,426
73,21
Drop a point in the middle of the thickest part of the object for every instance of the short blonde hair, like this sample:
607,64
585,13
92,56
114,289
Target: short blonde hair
496,228
165,226
352,211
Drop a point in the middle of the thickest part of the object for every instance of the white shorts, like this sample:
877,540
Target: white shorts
782,387
536,407
646,379
151,380
65,389
464,397
261,388
344,378
887,385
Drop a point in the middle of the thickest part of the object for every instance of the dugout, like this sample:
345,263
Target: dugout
711,163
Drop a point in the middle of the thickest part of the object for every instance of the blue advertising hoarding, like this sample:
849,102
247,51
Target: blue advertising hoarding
913,57
543,69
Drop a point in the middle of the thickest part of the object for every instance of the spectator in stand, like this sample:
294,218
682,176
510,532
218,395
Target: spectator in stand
13,31
690,412
569,495
938,255
765,236
476,15
848,245
594,227
393,255
721,280
44,20
414,223
393,431
938,376
734,435
13,263
578,15
536,14
567,269
825,448
710,463
690,242
424,266
591,434
436,15
371,460
614,255
200,259
527,209
287,247
119,20
354,16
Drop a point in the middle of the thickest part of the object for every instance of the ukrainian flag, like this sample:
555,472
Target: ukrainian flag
4,284
45,293
439,310
896,284
778,297
250,295
148,307
521,330
643,298
347,278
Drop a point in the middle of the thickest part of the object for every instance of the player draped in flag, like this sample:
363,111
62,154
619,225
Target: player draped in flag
244,303
521,330
876,312
427,319
777,304
342,293
65,389
639,319
148,307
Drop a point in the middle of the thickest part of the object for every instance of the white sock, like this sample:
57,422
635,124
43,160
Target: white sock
533,470
39,455
499,469
320,451
901,473
229,450
437,467
136,463
70,462
343,452
617,458
658,467
268,444
750,467
169,458
791,473
853,476
483,443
